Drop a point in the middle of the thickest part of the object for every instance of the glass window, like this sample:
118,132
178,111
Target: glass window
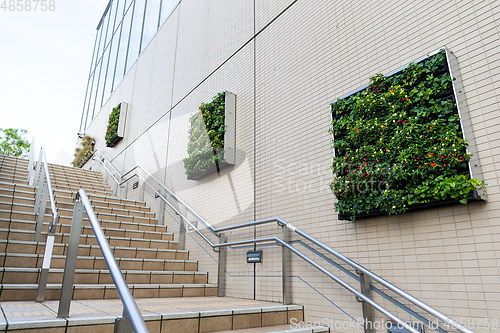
108,84
86,103
99,47
94,55
135,34
119,14
102,79
122,49
90,107
106,26
167,6
150,22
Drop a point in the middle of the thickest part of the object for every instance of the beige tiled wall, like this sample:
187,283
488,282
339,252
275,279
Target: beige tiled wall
305,55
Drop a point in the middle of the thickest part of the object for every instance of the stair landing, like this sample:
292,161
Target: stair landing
187,314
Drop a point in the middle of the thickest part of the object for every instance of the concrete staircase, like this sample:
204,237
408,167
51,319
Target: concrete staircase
161,278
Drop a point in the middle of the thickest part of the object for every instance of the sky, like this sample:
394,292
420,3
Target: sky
44,66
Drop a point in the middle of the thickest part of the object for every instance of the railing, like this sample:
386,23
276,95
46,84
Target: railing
364,274
41,181
131,318
131,314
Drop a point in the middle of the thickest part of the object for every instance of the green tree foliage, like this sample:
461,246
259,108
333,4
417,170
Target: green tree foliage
12,142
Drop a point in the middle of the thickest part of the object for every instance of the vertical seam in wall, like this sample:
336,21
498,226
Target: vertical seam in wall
254,148
172,94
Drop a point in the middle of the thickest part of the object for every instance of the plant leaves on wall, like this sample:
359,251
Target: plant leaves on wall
399,142
206,138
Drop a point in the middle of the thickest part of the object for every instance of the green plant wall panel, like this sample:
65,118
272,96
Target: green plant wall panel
399,143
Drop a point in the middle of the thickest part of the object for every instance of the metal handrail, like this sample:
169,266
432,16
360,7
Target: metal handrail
131,312
452,323
44,186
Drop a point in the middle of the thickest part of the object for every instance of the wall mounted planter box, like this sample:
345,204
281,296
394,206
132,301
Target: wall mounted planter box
228,153
120,132
218,167
475,197
455,116
86,159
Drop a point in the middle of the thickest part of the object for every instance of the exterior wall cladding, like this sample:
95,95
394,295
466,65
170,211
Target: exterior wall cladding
286,61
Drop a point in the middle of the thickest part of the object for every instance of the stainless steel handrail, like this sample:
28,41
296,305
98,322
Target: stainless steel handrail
283,223
159,183
44,189
131,311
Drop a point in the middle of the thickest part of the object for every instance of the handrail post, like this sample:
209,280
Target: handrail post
123,324
221,272
286,261
124,191
182,229
367,308
114,188
31,165
161,209
44,274
39,191
140,197
71,255
41,212
38,168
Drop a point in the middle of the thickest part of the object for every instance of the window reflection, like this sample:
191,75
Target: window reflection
135,33
122,49
125,32
167,6
150,22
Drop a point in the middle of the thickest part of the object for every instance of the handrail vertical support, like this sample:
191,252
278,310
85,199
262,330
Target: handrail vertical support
221,273
38,167
181,239
286,261
123,324
39,191
367,308
161,210
31,165
44,273
41,213
71,255
124,191
114,189
140,197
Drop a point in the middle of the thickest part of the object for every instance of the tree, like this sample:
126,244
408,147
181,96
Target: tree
12,142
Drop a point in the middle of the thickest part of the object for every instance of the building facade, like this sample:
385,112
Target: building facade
286,61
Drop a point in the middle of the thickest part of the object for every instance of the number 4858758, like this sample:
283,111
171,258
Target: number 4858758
28,5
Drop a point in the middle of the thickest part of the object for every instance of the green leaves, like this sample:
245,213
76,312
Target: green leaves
112,129
12,142
206,137
400,137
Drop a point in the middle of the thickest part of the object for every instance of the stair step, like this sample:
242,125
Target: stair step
27,292
14,246
90,239
110,228
14,275
293,328
23,260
